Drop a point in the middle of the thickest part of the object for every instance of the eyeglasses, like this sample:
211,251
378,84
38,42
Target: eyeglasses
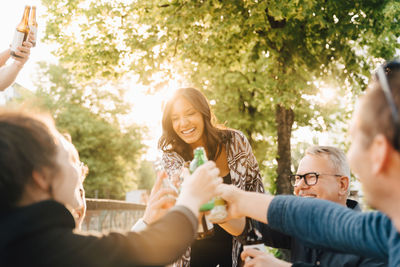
382,72
84,169
310,178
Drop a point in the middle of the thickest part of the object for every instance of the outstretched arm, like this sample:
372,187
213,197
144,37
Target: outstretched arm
245,204
318,223
4,56
166,239
8,73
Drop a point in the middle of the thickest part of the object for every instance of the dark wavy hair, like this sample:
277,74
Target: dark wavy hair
27,144
216,135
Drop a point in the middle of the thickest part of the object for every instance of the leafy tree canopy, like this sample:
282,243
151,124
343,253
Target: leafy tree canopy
257,59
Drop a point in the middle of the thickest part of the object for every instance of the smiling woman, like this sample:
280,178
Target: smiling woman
188,123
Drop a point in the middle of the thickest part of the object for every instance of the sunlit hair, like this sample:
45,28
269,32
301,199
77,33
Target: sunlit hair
216,135
84,169
336,156
375,114
28,143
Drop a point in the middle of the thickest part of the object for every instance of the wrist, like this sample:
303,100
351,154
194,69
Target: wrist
139,225
145,220
18,64
189,202
241,203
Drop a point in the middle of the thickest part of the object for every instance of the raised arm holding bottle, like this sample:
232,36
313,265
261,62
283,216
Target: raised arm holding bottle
19,51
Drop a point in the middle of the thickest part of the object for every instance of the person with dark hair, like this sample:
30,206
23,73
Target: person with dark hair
374,157
39,186
188,123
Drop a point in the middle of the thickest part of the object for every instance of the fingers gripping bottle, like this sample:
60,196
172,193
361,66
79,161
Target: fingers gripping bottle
216,206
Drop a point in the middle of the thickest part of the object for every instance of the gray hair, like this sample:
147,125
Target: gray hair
336,156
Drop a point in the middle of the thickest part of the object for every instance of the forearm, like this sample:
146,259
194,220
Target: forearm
165,240
4,56
235,226
324,224
254,205
191,203
8,74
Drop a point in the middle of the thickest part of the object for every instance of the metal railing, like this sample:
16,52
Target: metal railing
105,215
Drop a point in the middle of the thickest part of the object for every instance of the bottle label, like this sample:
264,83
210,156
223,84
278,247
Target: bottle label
218,213
34,30
17,41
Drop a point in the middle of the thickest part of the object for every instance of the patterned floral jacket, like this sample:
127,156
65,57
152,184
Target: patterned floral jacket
244,172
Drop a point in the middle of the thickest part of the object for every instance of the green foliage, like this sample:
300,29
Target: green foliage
248,56
112,152
146,175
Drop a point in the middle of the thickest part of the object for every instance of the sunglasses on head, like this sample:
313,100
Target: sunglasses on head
384,71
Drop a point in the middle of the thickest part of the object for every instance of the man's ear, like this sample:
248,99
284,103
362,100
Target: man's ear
344,183
39,179
379,153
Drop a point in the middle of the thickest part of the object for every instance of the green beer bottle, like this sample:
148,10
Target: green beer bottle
199,159
217,206
206,228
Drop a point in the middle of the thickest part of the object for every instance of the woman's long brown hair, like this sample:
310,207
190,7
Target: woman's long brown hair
216,135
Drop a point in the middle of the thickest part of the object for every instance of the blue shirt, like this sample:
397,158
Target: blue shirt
324,224
306,256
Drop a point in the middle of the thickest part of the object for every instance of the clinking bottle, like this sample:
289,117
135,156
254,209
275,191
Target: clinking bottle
21,32
216,206
33,26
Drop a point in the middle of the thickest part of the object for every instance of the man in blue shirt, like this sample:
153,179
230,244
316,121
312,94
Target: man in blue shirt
323,173
374,157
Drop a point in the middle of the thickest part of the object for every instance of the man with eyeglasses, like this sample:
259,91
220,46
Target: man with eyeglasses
374,157
323,173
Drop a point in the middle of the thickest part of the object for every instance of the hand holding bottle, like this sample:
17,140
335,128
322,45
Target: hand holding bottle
199,187
232,195
242,203
21,55
160,201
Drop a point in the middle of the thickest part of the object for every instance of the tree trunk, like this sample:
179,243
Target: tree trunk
284,120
